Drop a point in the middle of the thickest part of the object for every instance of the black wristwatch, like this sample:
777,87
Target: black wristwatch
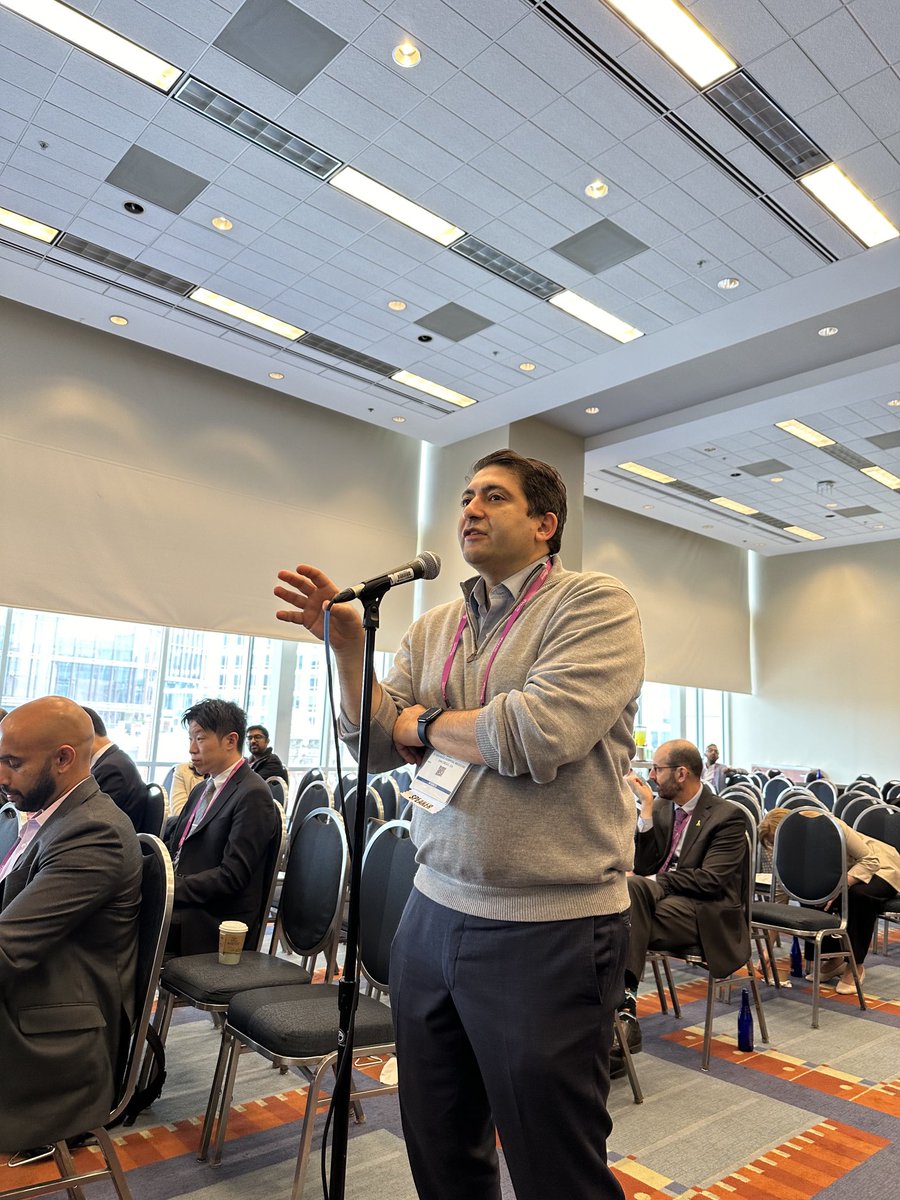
425,719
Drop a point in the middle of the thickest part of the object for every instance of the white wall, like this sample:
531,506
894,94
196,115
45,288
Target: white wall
826,632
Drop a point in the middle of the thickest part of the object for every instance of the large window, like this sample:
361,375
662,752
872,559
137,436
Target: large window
700,715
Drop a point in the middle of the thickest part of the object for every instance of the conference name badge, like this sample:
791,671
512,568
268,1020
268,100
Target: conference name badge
436,781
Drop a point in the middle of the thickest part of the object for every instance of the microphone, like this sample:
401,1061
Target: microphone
424,566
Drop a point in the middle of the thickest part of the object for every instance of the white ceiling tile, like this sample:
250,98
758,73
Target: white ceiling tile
458,39
655,73
836,239
370,81
759,270
494,18
511,82
721,240
241,83
103,80
791,78
399,173
657,268
244,283
494,288
60,272
345,105
55,120
874,169
96,110
709,123
14,127
758,167
362,268
321,129
45,197
254,190
570,209
611,105
621,166
42,165
541,151
713,188
755,223
599,24
678,207
877,100
668,306
536,44
150,30
426,155
794,256
483,192
879,19
666,150
565,121
890,205
25,75
841,50
176,150
203,18
270,268
510,172
684,252
31,42
644,223
536,225
114,238
470,100
746,30
837,128
378,42
699,296
629,282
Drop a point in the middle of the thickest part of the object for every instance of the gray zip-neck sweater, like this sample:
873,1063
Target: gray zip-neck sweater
544,831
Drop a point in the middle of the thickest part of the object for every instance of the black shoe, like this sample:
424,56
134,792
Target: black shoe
634,1039
25,1158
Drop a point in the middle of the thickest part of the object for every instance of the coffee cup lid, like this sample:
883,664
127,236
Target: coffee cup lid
233,926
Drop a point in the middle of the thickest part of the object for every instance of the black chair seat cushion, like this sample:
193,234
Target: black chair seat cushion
207,981
893,906
302,1022
678,951
791,916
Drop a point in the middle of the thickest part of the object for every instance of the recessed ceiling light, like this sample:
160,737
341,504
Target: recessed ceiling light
680,38
222,223
596,189
648,507
592,314
894,403
407,54
132,206
526,366
878,527
777,479
118,320
592,410
392,204
242,312
35,229
276,375
433,389
729,284
805,433
734,506
880,475
828,331
850,205
396,305
646,472
832,504
96,39
398,420
804,533
708,527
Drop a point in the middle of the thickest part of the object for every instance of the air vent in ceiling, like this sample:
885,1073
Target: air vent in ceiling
689,489
768,466
477,251
312,341
771,521
744,102
127,266
859,510
886,441
848,457
250,125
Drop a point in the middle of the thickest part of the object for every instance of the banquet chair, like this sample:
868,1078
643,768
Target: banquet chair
297,1027
747,799
386,787
9,828
859,805
772,789
693,955
155,809
279,790
809,864
882,822
157,898
824,790
797,798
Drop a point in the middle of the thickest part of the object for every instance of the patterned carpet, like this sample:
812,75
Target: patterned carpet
814,1114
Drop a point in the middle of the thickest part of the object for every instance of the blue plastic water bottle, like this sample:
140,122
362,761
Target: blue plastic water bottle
745,1024
796,959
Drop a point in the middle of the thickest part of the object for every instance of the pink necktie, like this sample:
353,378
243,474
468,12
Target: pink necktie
679,823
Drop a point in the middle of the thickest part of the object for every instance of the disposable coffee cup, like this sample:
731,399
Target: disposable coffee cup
231,942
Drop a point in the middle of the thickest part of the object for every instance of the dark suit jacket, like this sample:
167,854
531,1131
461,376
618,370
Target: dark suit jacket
117,775
68,950
267,765
712,870
219,874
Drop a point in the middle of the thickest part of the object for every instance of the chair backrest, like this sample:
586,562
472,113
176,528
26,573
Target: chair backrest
750,834
887,786
859,805
155,809
157,899
746,799
809,858
824,790
386,787
800,800
315,878
403,778
407,811
313,775
9,828
270,865
882,822
374,811
866,779
892,795
759,778
844,799
388,868
167,785
865,786
772,789
316,794
279,790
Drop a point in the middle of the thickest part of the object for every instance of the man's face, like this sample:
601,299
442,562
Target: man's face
667,784
496,534
210,754
26,775
258,742
712,755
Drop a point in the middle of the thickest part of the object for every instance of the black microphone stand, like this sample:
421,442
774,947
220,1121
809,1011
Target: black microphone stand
348,986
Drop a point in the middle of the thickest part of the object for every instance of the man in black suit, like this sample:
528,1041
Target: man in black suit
117,775
263,759
70,893
692,843
223,835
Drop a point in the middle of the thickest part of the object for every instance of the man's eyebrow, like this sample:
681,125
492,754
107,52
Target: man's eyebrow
487,487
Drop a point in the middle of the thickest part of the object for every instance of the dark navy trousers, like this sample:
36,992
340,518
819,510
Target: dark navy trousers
506,1023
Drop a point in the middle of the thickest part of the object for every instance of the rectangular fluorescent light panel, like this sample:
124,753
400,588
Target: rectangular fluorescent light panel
14,220
852,207
804,533
242,313
96,39
393,205
646,472
744,509
433,389
592,314
745,103
477,251
805,433
679,37
880,475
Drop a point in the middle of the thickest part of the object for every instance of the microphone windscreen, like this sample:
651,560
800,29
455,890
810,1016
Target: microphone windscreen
431,564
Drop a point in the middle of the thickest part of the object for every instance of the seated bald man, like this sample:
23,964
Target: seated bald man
70,893
690,864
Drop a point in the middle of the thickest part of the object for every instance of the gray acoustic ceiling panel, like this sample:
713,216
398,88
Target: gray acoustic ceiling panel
454,322
769,466
280,42
886,441
600,246
860,510
156,180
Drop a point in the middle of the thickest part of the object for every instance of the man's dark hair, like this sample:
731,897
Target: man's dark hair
220,717
683,754
96,721
542,484
262,729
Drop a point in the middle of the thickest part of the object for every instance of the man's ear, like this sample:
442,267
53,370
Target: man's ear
547,527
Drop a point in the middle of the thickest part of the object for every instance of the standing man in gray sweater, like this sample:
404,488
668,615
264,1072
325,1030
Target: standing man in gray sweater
509,960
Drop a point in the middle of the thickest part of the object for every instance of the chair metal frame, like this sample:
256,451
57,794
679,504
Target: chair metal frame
158,789
768,790
72,1180
798,798
885,814
824,785
279,790
857,806
692,957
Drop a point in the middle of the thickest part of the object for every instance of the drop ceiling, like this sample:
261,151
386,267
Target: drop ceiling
515,107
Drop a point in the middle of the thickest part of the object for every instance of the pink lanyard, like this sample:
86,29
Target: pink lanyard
510,621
